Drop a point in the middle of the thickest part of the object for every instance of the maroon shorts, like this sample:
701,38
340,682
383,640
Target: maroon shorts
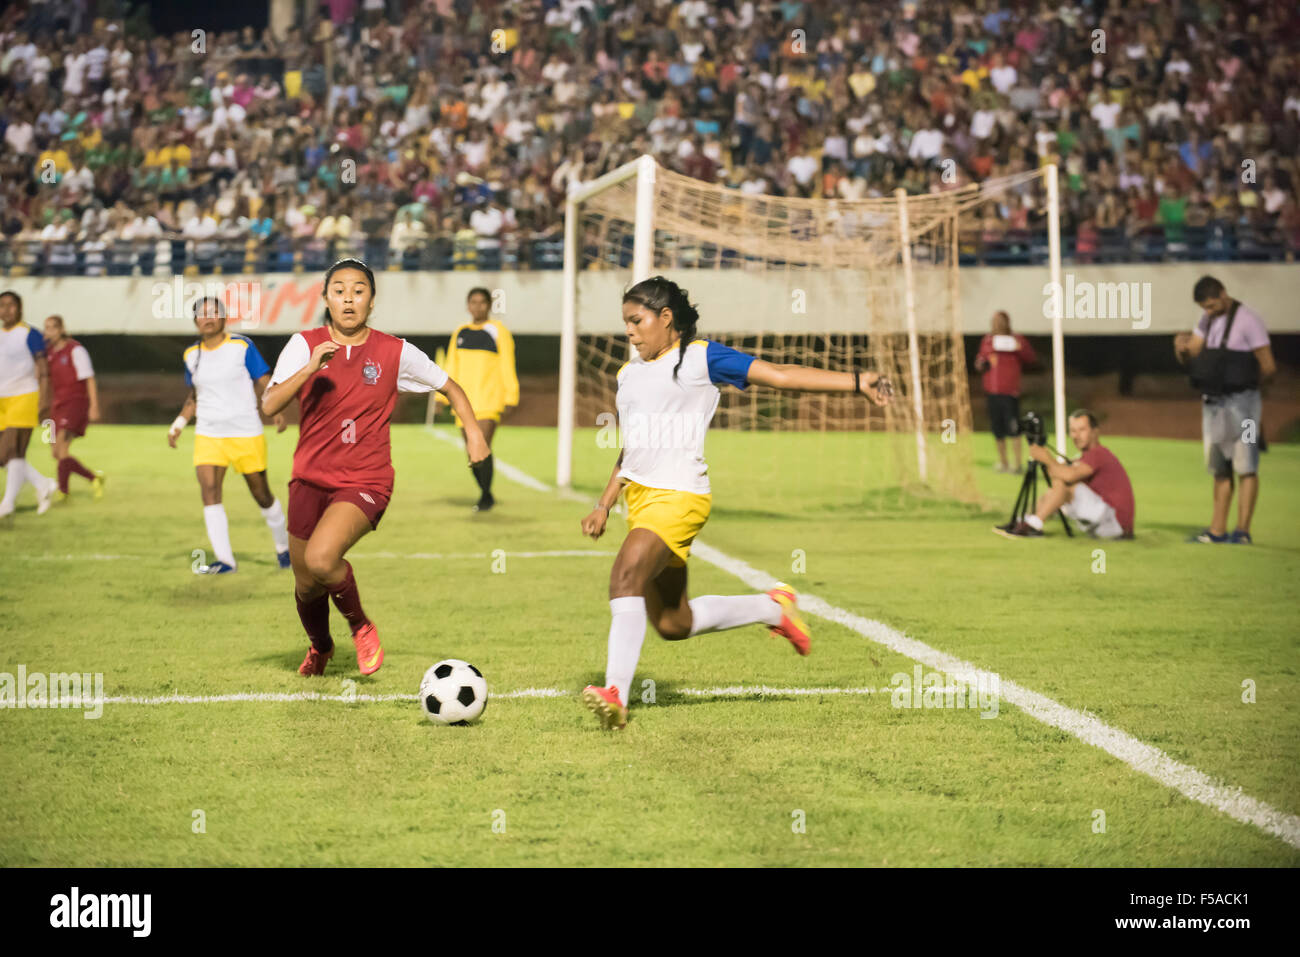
73,418
307,503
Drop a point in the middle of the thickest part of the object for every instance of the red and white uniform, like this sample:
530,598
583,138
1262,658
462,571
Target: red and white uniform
344,452
70,367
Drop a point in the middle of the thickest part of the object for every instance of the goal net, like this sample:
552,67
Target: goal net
869,284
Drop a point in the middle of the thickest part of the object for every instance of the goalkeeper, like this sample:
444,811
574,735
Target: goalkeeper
481,359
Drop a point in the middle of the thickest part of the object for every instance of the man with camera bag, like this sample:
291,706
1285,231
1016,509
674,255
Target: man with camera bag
1093,491
1228,356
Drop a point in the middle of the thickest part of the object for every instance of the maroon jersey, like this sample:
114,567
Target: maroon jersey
1110,481
343,437
66,388
1002,377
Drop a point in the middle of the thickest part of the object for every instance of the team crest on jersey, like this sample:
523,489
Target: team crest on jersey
370,372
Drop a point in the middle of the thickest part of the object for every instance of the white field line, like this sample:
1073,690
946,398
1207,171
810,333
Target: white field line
284,697
1140,756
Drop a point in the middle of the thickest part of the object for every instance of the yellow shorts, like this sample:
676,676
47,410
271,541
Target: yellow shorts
676,517
20,411
246,453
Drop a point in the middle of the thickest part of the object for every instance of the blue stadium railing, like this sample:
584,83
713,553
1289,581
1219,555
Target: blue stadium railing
1218,242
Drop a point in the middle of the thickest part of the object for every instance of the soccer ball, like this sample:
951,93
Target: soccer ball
453,692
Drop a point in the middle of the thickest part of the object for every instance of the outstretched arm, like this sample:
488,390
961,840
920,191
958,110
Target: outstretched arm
796,378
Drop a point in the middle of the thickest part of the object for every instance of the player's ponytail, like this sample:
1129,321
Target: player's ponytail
658,293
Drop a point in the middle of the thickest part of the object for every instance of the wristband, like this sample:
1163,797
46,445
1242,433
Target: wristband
179,423
857,383
599,505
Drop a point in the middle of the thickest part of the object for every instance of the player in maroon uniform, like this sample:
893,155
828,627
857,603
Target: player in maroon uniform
75,402
346,377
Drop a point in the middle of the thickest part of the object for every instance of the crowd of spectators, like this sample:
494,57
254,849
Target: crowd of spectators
447,132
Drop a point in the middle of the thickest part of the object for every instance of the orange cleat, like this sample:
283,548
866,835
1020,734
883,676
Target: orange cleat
314,664
370,653
792,625
606,705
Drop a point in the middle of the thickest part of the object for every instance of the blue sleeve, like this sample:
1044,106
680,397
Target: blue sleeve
189,379
35,343
254,363
727,366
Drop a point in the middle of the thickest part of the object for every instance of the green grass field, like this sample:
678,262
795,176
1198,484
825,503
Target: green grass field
1157,646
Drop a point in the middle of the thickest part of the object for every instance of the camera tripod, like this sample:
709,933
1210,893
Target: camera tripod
1027,500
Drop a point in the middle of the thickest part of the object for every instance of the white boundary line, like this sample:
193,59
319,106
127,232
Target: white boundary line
286,697
1138,755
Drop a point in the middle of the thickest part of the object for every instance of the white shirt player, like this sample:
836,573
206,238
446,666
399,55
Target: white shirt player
663,422
416,372
19,348
223,379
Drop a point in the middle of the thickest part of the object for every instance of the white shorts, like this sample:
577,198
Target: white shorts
1091,513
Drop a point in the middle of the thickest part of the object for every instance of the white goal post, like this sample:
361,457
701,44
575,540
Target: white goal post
863,254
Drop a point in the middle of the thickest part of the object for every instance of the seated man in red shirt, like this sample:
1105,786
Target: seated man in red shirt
1094,492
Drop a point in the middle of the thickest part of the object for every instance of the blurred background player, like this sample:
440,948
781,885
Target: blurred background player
669,387
75,403
1001,356
345,371
24,403
481,360
225,374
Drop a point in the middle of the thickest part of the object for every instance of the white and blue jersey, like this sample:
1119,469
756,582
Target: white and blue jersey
663,421
19,348
223,378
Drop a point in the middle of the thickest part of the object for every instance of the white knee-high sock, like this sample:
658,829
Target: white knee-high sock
626,635
39,482
275,521
15,476
719,612
214,517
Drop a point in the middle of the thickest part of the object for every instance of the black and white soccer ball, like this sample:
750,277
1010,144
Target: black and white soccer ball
453,692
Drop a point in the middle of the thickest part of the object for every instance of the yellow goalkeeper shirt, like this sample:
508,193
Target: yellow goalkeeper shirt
481,358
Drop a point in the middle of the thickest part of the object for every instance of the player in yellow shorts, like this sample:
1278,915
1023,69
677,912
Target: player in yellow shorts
667,395
481,359
24,403
225,374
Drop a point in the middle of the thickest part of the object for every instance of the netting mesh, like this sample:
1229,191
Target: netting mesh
810,282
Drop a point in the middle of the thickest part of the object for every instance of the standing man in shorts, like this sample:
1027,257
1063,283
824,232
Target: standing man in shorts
1001,356
1229,357
76,402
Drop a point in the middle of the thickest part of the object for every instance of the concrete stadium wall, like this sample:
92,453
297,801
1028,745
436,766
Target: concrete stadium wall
1096,300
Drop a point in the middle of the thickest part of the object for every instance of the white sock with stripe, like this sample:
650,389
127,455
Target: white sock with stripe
275,521
626,635
214,517
720,612
15,476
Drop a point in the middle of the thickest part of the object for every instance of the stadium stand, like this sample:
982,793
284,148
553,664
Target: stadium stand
443,134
